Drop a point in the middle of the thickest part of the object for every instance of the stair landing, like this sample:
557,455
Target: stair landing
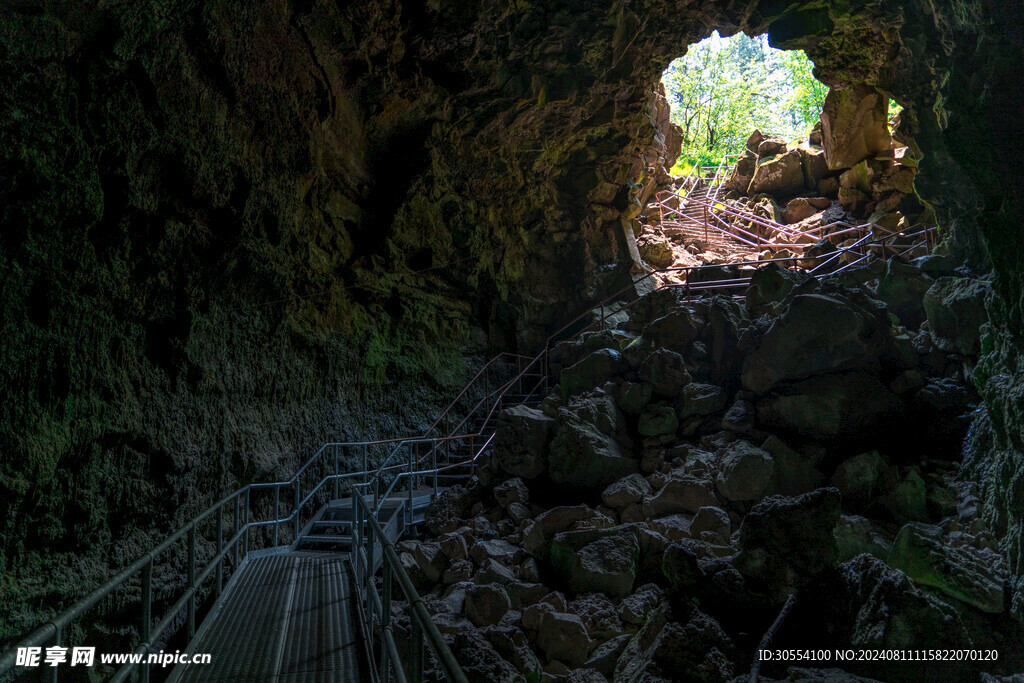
284,617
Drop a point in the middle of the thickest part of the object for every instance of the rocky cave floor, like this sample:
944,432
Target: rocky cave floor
706,460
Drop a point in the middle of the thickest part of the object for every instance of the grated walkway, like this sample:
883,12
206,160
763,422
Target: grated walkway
284,618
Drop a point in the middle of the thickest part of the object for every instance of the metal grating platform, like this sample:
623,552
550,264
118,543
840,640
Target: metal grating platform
284,618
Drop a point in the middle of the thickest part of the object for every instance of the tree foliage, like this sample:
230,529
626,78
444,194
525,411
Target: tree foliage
723,89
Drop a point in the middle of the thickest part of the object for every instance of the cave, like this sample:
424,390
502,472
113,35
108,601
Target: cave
258,256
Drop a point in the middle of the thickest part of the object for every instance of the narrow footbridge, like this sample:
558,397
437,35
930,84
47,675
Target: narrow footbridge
295,580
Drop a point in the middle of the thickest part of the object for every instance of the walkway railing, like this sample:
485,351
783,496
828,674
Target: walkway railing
217,541
374,605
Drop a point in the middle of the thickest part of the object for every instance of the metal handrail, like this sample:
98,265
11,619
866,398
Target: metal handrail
366,535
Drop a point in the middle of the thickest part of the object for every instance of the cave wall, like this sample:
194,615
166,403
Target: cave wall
232,229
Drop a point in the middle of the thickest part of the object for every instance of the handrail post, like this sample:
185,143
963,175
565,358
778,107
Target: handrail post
385,621
298,500
277,512
415,651
433,465
234,533
147,610
56,642
410,485
364,462
336,482
247,492
356,514
192,580
368,575
220,549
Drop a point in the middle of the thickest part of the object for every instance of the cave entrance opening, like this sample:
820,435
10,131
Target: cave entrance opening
771,161
723,89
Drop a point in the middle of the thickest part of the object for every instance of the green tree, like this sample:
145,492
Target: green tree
722,89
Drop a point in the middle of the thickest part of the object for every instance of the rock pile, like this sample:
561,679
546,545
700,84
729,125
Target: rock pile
708,459
855,166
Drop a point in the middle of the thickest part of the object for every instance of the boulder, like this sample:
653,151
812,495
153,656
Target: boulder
486,604
794,473
430,561
896,178
444,512
588,447
606,655
478,658
816,334
780,176
742,173
787,542
696,649
674,330
673,527
523,594
511,491
856,535
771,283
862,478
458,571
956,311
634,396
634,609
831,407
453,546
624,492
909,501
740,417
744,472
521,441
656,250
592,371
605,560
854,125
665,371
713,519
599,616
961,573
493,571
683,493
902,288
454,599
496,549
797,210
680,565
888,611
518,513
513,645
532,614
537,536
700,400
815,168
563,637
658,419
770,147
754,141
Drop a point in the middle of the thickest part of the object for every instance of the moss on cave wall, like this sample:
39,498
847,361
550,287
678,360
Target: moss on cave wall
231,229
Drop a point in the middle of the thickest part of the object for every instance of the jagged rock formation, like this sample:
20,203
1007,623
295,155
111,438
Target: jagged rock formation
777,449
225,224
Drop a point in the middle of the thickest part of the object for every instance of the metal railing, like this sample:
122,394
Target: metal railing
226,531
373,547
